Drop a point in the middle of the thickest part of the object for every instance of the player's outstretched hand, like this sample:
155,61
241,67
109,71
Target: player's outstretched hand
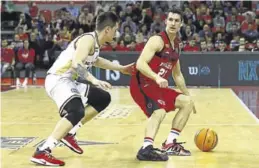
127,69
102,84
162,82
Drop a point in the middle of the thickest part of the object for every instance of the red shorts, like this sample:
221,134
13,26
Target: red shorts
151,97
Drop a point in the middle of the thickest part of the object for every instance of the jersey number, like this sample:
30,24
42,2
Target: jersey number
162,72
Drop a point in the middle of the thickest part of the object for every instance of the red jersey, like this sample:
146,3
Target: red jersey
162,62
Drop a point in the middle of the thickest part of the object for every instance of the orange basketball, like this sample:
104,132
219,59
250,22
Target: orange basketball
206,139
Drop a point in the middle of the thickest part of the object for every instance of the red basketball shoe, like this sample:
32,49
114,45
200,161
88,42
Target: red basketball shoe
175,148
46,159
70,141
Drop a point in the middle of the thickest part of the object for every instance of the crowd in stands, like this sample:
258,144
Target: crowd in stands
207,26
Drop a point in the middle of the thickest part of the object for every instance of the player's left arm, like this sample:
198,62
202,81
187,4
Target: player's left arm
106,64
179,79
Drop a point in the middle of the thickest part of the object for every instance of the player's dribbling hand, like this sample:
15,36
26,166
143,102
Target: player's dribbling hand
163,83
102,84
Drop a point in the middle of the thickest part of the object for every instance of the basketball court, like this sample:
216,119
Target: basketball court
113,138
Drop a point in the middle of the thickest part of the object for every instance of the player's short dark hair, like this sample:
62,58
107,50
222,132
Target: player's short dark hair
176,10
106,19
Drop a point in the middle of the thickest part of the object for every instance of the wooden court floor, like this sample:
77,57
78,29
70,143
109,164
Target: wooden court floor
112,139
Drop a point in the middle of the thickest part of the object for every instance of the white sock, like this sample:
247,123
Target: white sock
75,128
174,133
18,81
147,141
50,143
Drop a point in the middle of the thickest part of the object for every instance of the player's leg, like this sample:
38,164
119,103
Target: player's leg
65,94
184,104
147,152
97,100
156,116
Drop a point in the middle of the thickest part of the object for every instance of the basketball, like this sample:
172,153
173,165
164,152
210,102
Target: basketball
206,139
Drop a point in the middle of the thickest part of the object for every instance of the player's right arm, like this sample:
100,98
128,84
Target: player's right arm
154,44
84,46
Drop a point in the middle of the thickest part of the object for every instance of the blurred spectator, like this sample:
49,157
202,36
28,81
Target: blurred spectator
136,12
25,23
242,44
218,38
121,46
187,33
235,31
127,36
22,35
9,6
205,32
210,46
74,11
129,23
222,46
191,46
250,34
7,57
234,45
229,27
145,19
219,21
157,25
25,61
257,45
246,22
36,44
31,9
144,31
87,15
203,46
17,43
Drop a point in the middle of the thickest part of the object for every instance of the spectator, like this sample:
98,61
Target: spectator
157,24
250,34
257,45
145,19
191,46
219,21
242,44
203,46
22,35
144,31
7,57
127,36
74,11
36,44
205,32
231,23
210,46
25,23
25,60
187,33
234,45
121,46
222,47
129,23
88,16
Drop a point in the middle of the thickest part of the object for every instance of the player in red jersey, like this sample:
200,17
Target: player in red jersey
149,89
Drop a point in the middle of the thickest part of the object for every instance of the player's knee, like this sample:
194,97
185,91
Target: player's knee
99,99
75,111
183,101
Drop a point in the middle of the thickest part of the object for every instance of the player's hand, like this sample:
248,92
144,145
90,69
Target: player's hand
127,69
102,84
162,82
